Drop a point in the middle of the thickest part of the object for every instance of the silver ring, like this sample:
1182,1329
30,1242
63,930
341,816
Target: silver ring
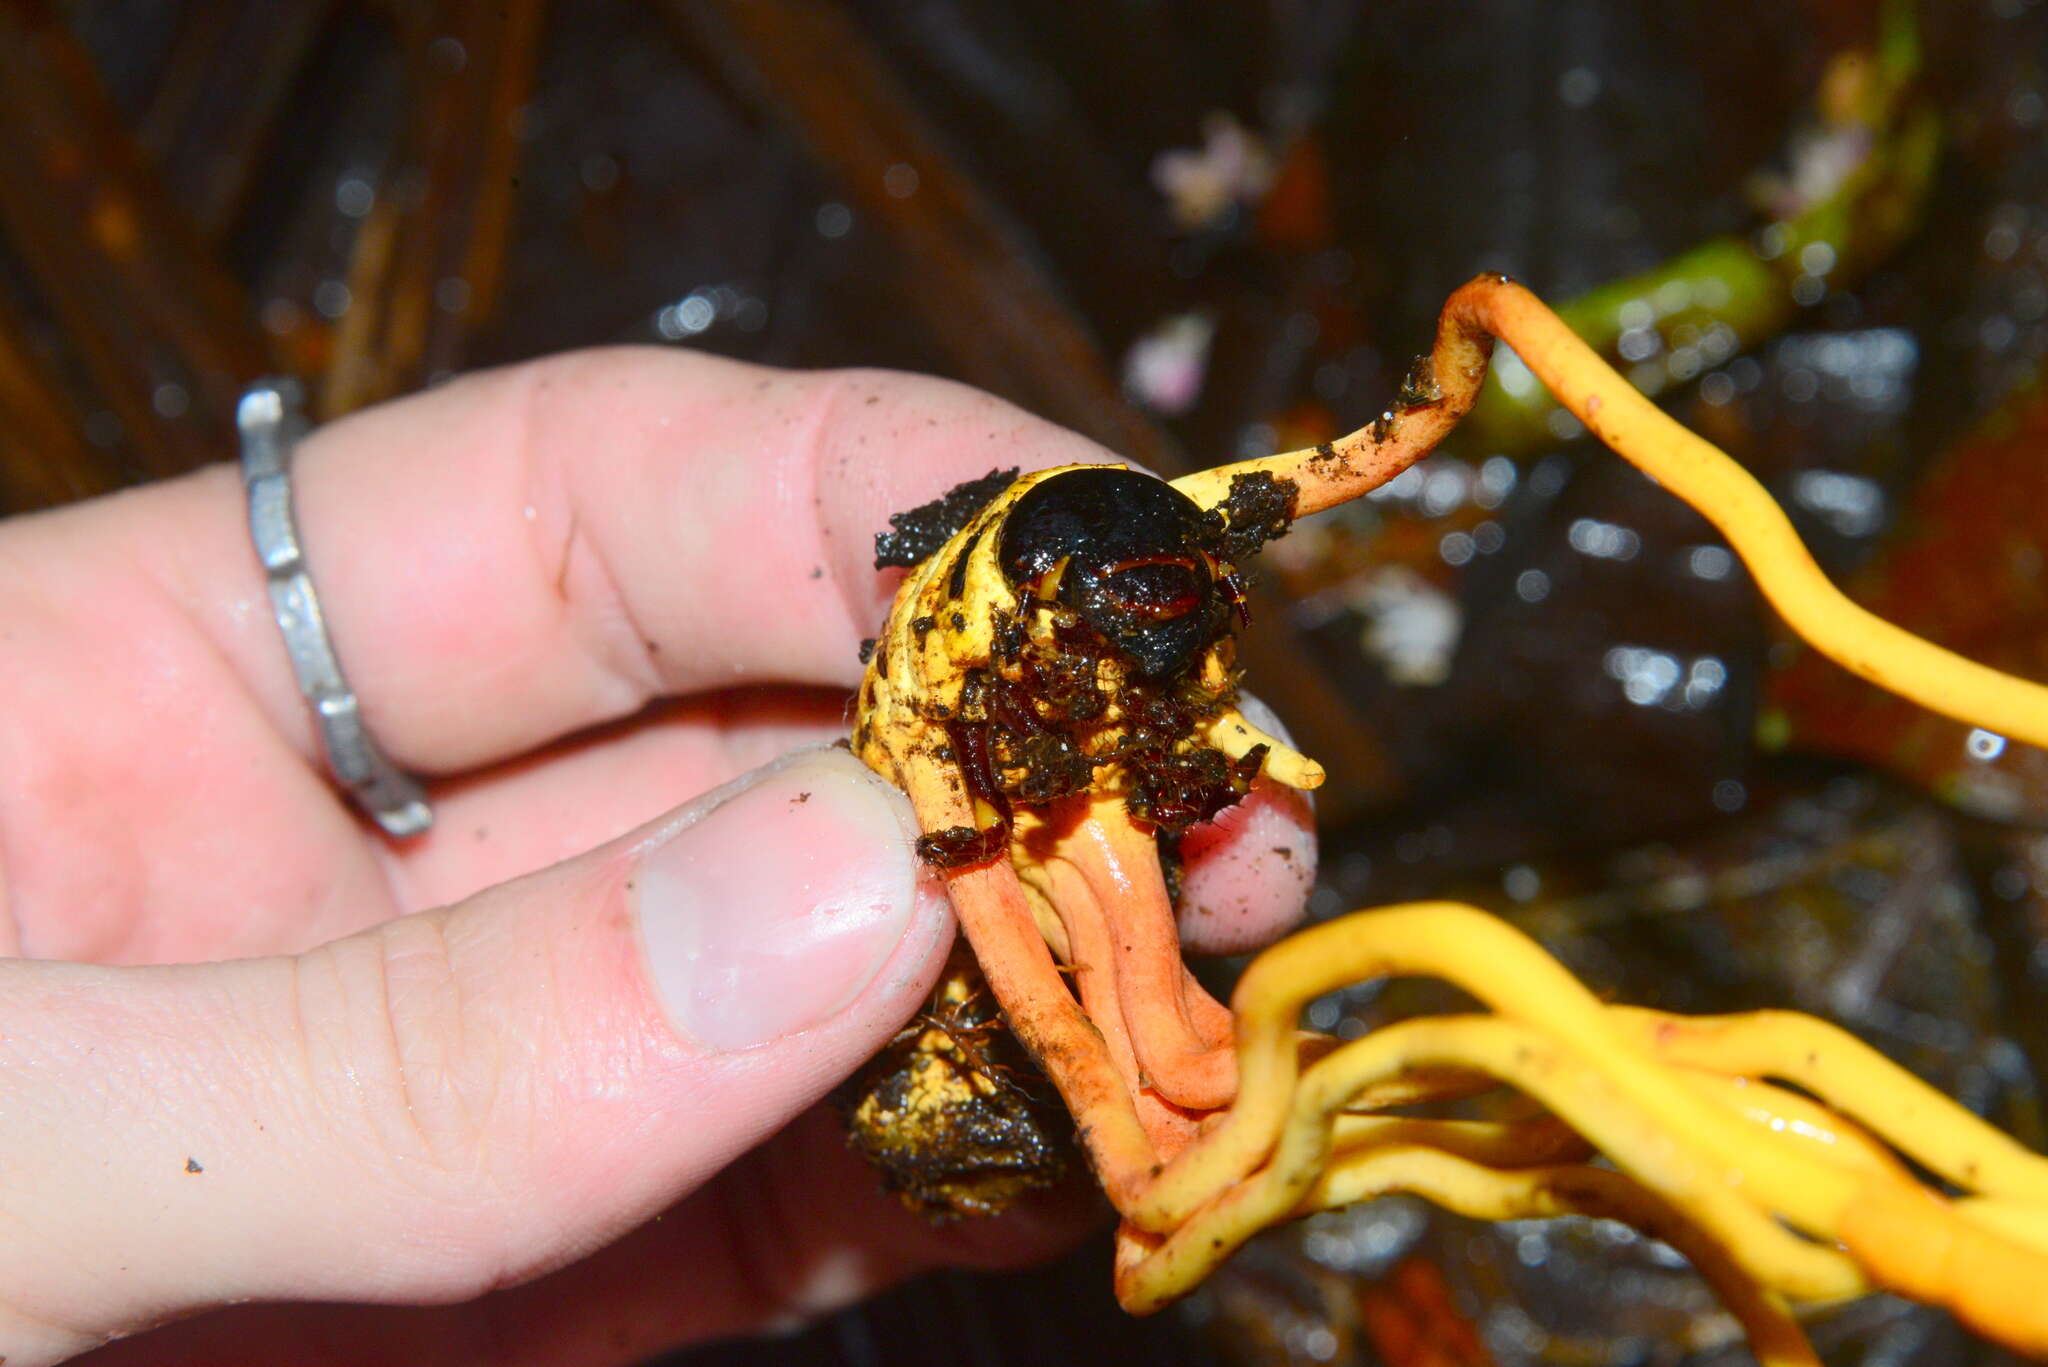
272,420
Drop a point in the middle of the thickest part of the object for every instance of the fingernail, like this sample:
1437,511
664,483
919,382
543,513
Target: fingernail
768,914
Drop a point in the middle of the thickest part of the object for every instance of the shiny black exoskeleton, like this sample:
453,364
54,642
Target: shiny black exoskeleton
1134,556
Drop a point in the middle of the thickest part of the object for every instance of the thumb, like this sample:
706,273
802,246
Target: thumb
462,1099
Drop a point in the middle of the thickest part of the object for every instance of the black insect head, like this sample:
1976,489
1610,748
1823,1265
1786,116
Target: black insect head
1131,554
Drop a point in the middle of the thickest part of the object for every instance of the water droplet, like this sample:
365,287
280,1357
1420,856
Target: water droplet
170,400
1709,562
1578,87
354,196
1984,745
331,299
834,220
900,180
598,173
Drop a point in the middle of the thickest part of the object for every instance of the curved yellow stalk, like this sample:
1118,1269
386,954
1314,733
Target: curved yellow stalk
1588,1065
1750,1243
1730,497
1782,1111
1856,1080
1687,1172
1639,432
1531,1143
1467,1188
1462,945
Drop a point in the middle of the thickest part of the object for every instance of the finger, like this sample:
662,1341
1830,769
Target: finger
797,1229
1245,877
597,785
1247,874
459,1100
527,552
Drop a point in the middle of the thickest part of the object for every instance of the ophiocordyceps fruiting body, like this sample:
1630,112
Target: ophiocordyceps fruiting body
1055,689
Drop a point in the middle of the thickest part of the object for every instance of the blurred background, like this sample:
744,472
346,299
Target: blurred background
1197,231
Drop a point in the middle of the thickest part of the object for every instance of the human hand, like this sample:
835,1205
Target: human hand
540,1085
